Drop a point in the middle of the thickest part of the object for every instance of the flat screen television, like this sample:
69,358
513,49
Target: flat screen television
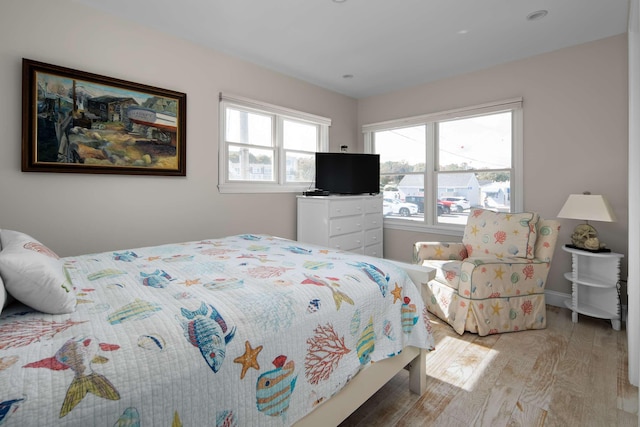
348,173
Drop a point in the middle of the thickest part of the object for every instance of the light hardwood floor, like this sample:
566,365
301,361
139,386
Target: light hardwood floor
570,374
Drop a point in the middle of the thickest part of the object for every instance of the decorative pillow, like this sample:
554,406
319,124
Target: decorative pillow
4,300
500,234
3,292
34,275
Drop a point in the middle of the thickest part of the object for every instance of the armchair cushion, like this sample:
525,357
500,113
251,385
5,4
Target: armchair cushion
482,278
500,234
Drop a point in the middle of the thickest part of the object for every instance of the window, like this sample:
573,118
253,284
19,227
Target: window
266,148
447,163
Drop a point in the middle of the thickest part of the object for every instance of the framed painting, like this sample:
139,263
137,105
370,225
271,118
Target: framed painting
74,121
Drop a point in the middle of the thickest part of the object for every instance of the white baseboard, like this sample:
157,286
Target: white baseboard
555,298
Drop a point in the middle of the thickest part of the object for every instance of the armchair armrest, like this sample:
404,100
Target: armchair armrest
444,251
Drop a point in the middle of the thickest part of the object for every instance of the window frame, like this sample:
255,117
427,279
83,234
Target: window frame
278,115
429,222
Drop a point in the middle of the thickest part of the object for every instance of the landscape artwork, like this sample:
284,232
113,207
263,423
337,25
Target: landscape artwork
75,121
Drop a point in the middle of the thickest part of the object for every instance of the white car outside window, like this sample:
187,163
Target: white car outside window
401,208
386,208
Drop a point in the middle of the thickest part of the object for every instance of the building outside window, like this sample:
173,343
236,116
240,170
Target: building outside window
267,148
448,163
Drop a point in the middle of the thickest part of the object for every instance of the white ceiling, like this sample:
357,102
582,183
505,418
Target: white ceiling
384,44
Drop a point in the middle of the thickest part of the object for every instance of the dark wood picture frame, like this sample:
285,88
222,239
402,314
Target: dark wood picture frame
74,121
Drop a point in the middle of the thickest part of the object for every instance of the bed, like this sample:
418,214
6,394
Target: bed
242,330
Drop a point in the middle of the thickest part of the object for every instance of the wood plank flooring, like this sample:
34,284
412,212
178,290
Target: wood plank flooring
570,374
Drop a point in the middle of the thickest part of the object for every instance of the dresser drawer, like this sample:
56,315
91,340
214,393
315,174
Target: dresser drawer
339,208
372,237
373,221
347,242
373,205
374,250
345,225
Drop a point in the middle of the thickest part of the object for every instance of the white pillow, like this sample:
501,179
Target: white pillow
4,299
3,296
34,275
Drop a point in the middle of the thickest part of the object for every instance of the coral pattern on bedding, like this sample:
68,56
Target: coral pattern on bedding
245,330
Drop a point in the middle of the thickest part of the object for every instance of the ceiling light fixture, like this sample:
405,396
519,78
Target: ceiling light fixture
347,76
537,15
339,1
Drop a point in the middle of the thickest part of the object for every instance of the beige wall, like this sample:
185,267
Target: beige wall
575,133
79,213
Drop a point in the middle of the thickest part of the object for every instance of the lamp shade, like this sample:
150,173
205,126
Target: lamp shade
589,207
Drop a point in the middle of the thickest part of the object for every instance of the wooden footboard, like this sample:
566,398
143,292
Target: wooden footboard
365,384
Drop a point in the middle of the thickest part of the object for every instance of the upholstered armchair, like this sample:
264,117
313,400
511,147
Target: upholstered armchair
494,280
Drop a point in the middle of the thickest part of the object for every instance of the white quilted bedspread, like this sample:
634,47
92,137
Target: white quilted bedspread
248,330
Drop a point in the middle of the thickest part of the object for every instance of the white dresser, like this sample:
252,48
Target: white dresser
349,223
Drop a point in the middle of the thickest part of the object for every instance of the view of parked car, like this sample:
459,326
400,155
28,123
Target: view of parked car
401,208
416,200
419,202
443,209
386,208
458,204
446,204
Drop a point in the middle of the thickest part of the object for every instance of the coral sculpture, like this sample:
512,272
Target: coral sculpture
582,233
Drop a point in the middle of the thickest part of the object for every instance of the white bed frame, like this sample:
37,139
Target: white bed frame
364,385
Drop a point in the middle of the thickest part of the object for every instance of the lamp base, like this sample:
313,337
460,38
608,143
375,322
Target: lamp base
585,237
599,250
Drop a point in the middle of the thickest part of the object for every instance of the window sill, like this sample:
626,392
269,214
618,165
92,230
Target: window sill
421,227
245,188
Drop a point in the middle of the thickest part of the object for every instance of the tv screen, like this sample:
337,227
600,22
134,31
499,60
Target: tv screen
348,173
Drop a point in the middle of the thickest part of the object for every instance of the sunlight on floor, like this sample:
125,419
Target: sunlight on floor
467,367
477,371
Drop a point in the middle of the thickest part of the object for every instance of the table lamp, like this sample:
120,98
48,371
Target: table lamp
587,207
